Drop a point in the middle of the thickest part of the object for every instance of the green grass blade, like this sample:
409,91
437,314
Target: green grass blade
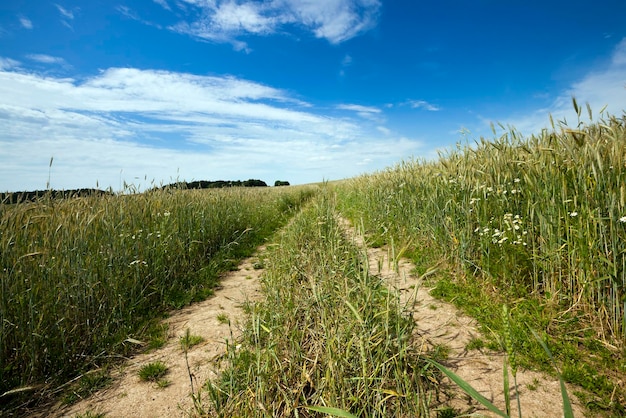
567,405
354,311
336,412
467,388
505,376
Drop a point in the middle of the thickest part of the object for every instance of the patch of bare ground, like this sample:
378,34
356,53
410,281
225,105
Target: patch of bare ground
216,320
440,324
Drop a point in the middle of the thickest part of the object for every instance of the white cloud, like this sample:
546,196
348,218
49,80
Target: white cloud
359,108
422,104
384,130
68,14
164,125
163,4
8,63
366,112
226,20
26,23
46,59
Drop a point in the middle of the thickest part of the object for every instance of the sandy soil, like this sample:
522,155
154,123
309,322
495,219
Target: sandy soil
438,323
131,397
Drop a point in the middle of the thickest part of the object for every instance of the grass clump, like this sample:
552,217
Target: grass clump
536,223
190,340
223,318
86,385
329,338
153,372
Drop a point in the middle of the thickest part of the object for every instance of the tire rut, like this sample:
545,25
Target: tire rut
440,324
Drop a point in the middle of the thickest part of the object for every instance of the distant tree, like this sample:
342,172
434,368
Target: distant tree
281,183
254,183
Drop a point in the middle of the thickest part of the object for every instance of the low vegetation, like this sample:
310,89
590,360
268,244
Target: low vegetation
329,338
536,223
83,279
152,372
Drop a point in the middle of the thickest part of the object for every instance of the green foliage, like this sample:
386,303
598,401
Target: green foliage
537,223
189,340
222,318
153,372
79,277
91,414
87,384
329,338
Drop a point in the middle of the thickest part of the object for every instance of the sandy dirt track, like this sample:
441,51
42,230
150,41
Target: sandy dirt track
438,323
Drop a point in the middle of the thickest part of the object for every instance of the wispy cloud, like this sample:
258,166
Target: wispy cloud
422,104
66,15
162,125
226,20
131,14
46,59
359,108
8,63
367,112
26,22
603,87
163,4
345,63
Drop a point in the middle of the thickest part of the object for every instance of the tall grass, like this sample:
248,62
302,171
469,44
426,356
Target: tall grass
79,277
539,221
329,337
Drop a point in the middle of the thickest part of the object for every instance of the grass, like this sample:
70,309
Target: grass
537,223
153,372
222,318
80,277
91,414
86,385
189,340
329,338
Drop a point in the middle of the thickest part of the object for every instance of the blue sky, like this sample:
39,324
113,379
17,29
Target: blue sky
148,92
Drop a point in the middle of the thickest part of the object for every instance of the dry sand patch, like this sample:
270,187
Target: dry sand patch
129,396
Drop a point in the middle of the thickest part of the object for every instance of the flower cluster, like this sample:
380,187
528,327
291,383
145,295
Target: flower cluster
510,230
508,188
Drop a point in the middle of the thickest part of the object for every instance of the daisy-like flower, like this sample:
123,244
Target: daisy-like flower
622,219
573,214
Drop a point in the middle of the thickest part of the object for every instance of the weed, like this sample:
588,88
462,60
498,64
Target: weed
534,385
188,340
91,414
222,318
475,343
86,385
153,372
